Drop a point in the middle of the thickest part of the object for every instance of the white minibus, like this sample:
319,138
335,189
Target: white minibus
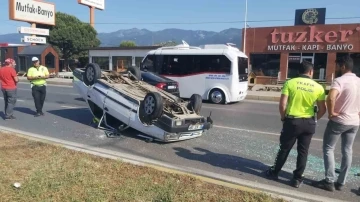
217,72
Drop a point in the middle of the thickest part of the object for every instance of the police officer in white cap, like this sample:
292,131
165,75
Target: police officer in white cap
37,75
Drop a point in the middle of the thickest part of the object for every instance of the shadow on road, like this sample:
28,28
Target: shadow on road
226,161
356,191
25,110
82,115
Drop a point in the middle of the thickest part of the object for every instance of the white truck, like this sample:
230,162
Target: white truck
123,100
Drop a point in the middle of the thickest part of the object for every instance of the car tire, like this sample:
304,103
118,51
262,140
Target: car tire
195,103
217,96
136,72
151,107
92,74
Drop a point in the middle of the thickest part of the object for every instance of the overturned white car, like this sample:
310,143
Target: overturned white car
123,100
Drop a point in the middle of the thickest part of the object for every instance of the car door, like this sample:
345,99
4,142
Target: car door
118,106
97,94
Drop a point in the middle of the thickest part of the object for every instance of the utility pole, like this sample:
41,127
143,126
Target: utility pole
245,26
92,16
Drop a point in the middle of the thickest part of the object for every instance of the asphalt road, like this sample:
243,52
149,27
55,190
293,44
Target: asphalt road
242,144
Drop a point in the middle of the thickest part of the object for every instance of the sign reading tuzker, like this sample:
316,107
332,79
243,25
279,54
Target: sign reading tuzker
312,40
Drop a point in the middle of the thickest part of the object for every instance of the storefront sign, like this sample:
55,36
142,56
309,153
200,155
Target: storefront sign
312,40
310,16
328,47
99,4
31,39
35,31
32,11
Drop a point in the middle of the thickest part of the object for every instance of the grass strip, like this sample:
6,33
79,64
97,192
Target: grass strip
53,173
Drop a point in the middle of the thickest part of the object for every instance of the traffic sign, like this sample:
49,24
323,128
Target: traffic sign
34,31
31,39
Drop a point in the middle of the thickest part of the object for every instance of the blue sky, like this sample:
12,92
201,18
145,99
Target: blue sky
141,13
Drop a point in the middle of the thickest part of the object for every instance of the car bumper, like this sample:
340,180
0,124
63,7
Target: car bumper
177,133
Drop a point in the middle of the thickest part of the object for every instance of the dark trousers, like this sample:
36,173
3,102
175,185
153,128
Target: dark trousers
10,101
39,94
302,130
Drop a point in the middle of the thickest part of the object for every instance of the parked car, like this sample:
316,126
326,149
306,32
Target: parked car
161,82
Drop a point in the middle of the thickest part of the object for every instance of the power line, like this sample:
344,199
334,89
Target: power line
219,22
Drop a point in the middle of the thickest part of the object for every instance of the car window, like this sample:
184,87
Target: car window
147,76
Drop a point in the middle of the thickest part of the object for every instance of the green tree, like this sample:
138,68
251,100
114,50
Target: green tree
167,43
71,37
127,44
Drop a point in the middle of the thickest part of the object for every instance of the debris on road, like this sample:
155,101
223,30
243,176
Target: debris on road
17,185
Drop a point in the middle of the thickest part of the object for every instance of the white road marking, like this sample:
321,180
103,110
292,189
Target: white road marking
69,107
256,131
2,98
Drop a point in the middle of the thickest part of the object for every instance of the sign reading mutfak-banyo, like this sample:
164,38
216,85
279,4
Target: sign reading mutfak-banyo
32,11
313,38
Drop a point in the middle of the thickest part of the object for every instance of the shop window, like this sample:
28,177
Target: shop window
121,63
103,62
320,61
356,59
265,64
293,65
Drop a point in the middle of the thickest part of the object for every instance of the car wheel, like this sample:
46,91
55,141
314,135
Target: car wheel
152,106
217,96
195,103
92,74
135,71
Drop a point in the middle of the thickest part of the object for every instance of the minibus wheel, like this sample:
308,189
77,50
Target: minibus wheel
217,96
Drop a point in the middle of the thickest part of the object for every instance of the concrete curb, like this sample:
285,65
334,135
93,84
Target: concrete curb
223,180
263,98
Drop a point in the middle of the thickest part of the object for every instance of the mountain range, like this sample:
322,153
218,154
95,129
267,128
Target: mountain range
144,37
